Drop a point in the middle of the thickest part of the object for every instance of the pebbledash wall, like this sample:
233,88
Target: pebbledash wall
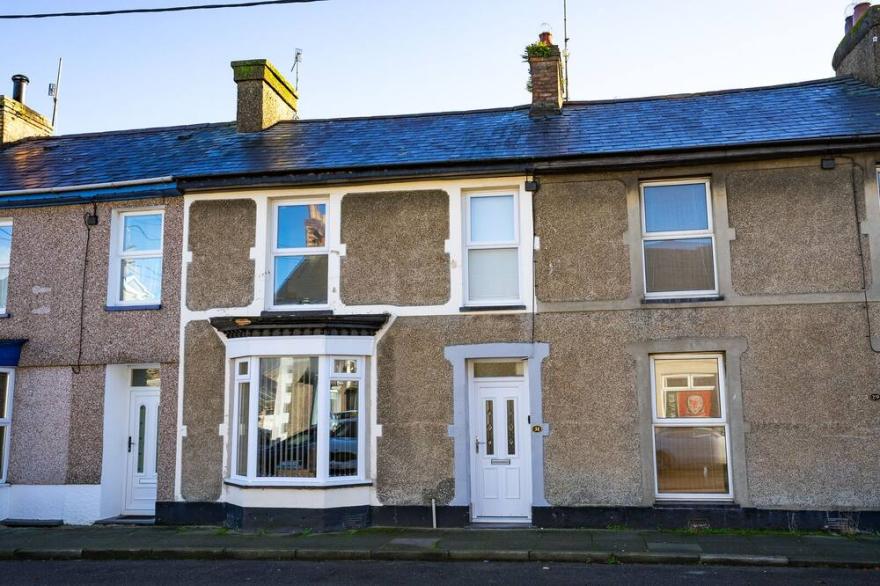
793,244
56,468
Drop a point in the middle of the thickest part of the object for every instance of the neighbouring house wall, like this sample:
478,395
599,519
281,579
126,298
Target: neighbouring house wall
796,230
167,431
806,377
41,408
395,248
583,254
203,379
45,284
415,461
221,234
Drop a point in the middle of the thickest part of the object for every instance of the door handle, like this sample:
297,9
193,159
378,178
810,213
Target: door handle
130,443
477,444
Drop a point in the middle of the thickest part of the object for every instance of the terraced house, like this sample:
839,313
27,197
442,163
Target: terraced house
646,312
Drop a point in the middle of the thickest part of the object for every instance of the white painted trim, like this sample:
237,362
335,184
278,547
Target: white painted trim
709,232
299,346
117,255
298,498
6,422
74,504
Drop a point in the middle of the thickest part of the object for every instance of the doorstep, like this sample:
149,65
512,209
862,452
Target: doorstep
128,520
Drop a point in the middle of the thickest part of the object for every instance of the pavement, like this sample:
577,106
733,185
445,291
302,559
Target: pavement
469,544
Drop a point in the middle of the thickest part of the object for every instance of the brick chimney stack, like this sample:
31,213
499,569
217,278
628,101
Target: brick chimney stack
17,121
858,54
546,82
265,97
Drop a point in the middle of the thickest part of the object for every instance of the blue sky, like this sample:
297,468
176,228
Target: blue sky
397,56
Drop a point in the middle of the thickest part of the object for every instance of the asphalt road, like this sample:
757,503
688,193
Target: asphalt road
509,574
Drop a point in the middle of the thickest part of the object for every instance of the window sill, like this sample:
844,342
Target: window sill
5,315
295,312
132,307
478,308
312,486
680,300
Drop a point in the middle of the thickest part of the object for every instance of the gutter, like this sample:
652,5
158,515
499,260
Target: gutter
87,186
88,193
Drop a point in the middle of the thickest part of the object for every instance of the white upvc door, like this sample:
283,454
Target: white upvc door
501,480
143,433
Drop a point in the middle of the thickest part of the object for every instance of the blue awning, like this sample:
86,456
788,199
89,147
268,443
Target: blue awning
10,352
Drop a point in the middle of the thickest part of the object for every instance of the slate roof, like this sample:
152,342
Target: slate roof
822,109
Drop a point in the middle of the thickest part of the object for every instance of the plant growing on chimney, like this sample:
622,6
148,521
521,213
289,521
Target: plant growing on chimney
536,49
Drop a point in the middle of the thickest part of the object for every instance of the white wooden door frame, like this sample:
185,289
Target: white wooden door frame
523,441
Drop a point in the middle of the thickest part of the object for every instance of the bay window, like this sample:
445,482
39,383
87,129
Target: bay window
491,249
299,253
298,419
690,426
678,242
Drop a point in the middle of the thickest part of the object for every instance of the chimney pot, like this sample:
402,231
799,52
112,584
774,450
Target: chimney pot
19,87
859,11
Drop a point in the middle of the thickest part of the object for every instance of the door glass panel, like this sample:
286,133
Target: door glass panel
4,392
301,226
244,402
511,428
343,428
142,430
287,424
498,369
691,460
687,388
492,219
490,428
145,377
301,280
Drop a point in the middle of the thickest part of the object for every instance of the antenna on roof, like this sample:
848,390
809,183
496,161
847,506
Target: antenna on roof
565,42
297,59
54,89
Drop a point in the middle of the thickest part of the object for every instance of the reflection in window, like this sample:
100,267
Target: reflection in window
138,262
5,251
344,428
300,250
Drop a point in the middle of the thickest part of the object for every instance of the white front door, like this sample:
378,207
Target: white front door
501,471
143,434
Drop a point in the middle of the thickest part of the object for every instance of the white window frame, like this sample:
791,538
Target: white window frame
6,422
721,421
117,255
514,244
7,265
709,232
325,377
275,251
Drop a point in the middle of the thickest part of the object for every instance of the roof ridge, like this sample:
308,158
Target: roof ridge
410,115
820,81
101,133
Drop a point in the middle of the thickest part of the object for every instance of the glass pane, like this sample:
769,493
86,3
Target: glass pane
141,279
244,397
5,243
670,208
691,460
492,219
497,369
345,366
493,274
4,394
301,226
679,265
3,429
243,368
145,377
344,428
4,286
142,233
287,418
142,430
301,280
490,428
684,401
511,428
